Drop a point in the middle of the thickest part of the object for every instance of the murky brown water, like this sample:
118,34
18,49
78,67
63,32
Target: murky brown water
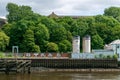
61,76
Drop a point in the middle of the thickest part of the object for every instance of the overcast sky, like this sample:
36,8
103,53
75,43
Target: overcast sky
63,7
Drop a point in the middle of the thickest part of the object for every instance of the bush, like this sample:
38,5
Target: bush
52,47
2,55
9,55
35,48
101,56
115,56
62,47
96,56
109,57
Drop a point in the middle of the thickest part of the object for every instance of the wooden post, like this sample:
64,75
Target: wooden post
6,68
29,70
17,67
24,69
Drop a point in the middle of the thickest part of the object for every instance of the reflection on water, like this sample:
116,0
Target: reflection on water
61,76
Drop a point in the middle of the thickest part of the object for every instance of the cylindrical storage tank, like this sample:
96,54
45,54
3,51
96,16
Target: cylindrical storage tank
86,44
76,44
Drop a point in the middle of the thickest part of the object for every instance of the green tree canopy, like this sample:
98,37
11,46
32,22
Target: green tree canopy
59,33
108,20
62,47
97,42
17,31
112,11
17,13
4,41
28,44
115,34
104,32
6,28
68,45
41,36
52,47
44,33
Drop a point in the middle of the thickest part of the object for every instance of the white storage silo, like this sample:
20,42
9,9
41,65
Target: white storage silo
86,44
76,44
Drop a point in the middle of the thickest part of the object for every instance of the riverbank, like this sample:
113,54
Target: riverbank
42,69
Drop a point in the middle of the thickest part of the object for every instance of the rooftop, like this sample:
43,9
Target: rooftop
53,15
115,42
2,21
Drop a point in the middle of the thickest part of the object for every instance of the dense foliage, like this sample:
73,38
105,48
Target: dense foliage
4,41
34,33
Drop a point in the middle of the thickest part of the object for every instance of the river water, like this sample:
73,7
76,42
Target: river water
61,76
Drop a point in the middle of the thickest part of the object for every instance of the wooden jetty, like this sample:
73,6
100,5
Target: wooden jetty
13,65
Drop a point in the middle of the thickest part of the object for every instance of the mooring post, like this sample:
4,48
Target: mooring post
29,66
17,66
6,67
23,69
29,70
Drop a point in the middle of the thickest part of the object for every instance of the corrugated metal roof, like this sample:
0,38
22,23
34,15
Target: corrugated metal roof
115,42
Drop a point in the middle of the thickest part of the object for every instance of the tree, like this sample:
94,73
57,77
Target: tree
65,25
91,30
67,44
75,29
69,36
97,42
84,24
17,13
104,26
48,22
55,29
29,42
115,33
108,20
112,11
66,22
59,33
17,31
104,32
52,47
62,47
25,25
6,28
41,36
4,41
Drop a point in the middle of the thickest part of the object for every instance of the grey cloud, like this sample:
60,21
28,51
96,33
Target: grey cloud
98,4
95,6
2,9
73,7
39,6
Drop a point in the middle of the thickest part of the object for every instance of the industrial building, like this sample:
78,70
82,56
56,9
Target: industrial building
76,44
87,44
109,50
